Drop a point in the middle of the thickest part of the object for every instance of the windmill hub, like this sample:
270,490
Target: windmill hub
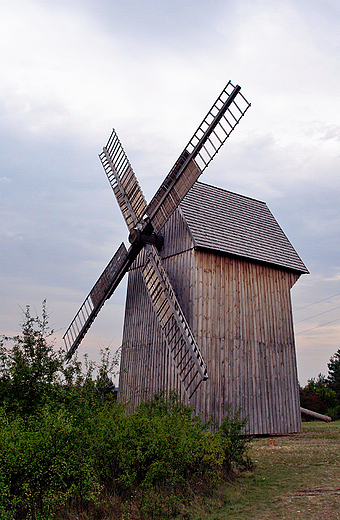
142,237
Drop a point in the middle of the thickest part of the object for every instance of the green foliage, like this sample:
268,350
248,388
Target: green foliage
235,443
333,379
319,397
67,445
333,382
159,443
33,373
28,370
322,395
44,463
55,458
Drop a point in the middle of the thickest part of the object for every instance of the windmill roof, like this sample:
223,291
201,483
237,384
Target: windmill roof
237,225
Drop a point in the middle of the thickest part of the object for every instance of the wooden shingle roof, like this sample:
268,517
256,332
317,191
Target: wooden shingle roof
229,223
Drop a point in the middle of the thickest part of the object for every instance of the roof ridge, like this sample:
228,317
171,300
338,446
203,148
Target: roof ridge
228,191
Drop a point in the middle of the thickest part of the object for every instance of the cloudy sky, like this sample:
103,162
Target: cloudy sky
73,69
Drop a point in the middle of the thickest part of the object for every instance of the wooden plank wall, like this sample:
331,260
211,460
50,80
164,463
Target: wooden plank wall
146,364
243,322
240,313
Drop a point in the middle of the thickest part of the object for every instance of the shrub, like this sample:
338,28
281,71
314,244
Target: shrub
56,459
66,444
159,443
44,463
29,370
235,443
319,397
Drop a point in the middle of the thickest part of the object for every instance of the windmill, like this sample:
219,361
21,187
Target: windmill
145,222
208,297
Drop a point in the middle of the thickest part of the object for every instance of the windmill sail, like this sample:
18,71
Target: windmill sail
123,181
180,340
102,290
142,220
212,133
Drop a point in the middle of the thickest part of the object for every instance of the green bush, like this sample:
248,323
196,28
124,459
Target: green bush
55,459
67,447
159,443
319,397
44,463
29,369
234,442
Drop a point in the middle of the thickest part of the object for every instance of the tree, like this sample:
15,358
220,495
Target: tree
32,371
333,379
319,397
29,365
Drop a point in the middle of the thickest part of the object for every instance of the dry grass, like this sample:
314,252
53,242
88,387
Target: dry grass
297,478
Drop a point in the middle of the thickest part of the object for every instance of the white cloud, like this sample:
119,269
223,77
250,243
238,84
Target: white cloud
72,70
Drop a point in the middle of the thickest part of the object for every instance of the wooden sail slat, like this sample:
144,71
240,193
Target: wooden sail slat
199,152
107,282
175,196
180,340
123,181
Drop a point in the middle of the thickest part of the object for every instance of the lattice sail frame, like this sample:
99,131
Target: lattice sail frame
206,142
180,340
123,181
103,289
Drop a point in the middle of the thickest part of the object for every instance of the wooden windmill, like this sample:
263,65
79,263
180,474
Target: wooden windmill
208,296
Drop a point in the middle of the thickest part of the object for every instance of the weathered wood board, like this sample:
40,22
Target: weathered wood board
240,313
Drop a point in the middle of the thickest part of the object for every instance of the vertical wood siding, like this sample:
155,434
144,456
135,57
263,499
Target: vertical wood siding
244,327
146,364
240,313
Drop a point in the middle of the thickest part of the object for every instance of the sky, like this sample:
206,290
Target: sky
72,70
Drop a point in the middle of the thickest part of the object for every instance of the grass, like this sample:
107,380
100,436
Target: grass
297,478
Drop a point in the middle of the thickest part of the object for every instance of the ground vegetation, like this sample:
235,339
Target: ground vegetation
69,450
